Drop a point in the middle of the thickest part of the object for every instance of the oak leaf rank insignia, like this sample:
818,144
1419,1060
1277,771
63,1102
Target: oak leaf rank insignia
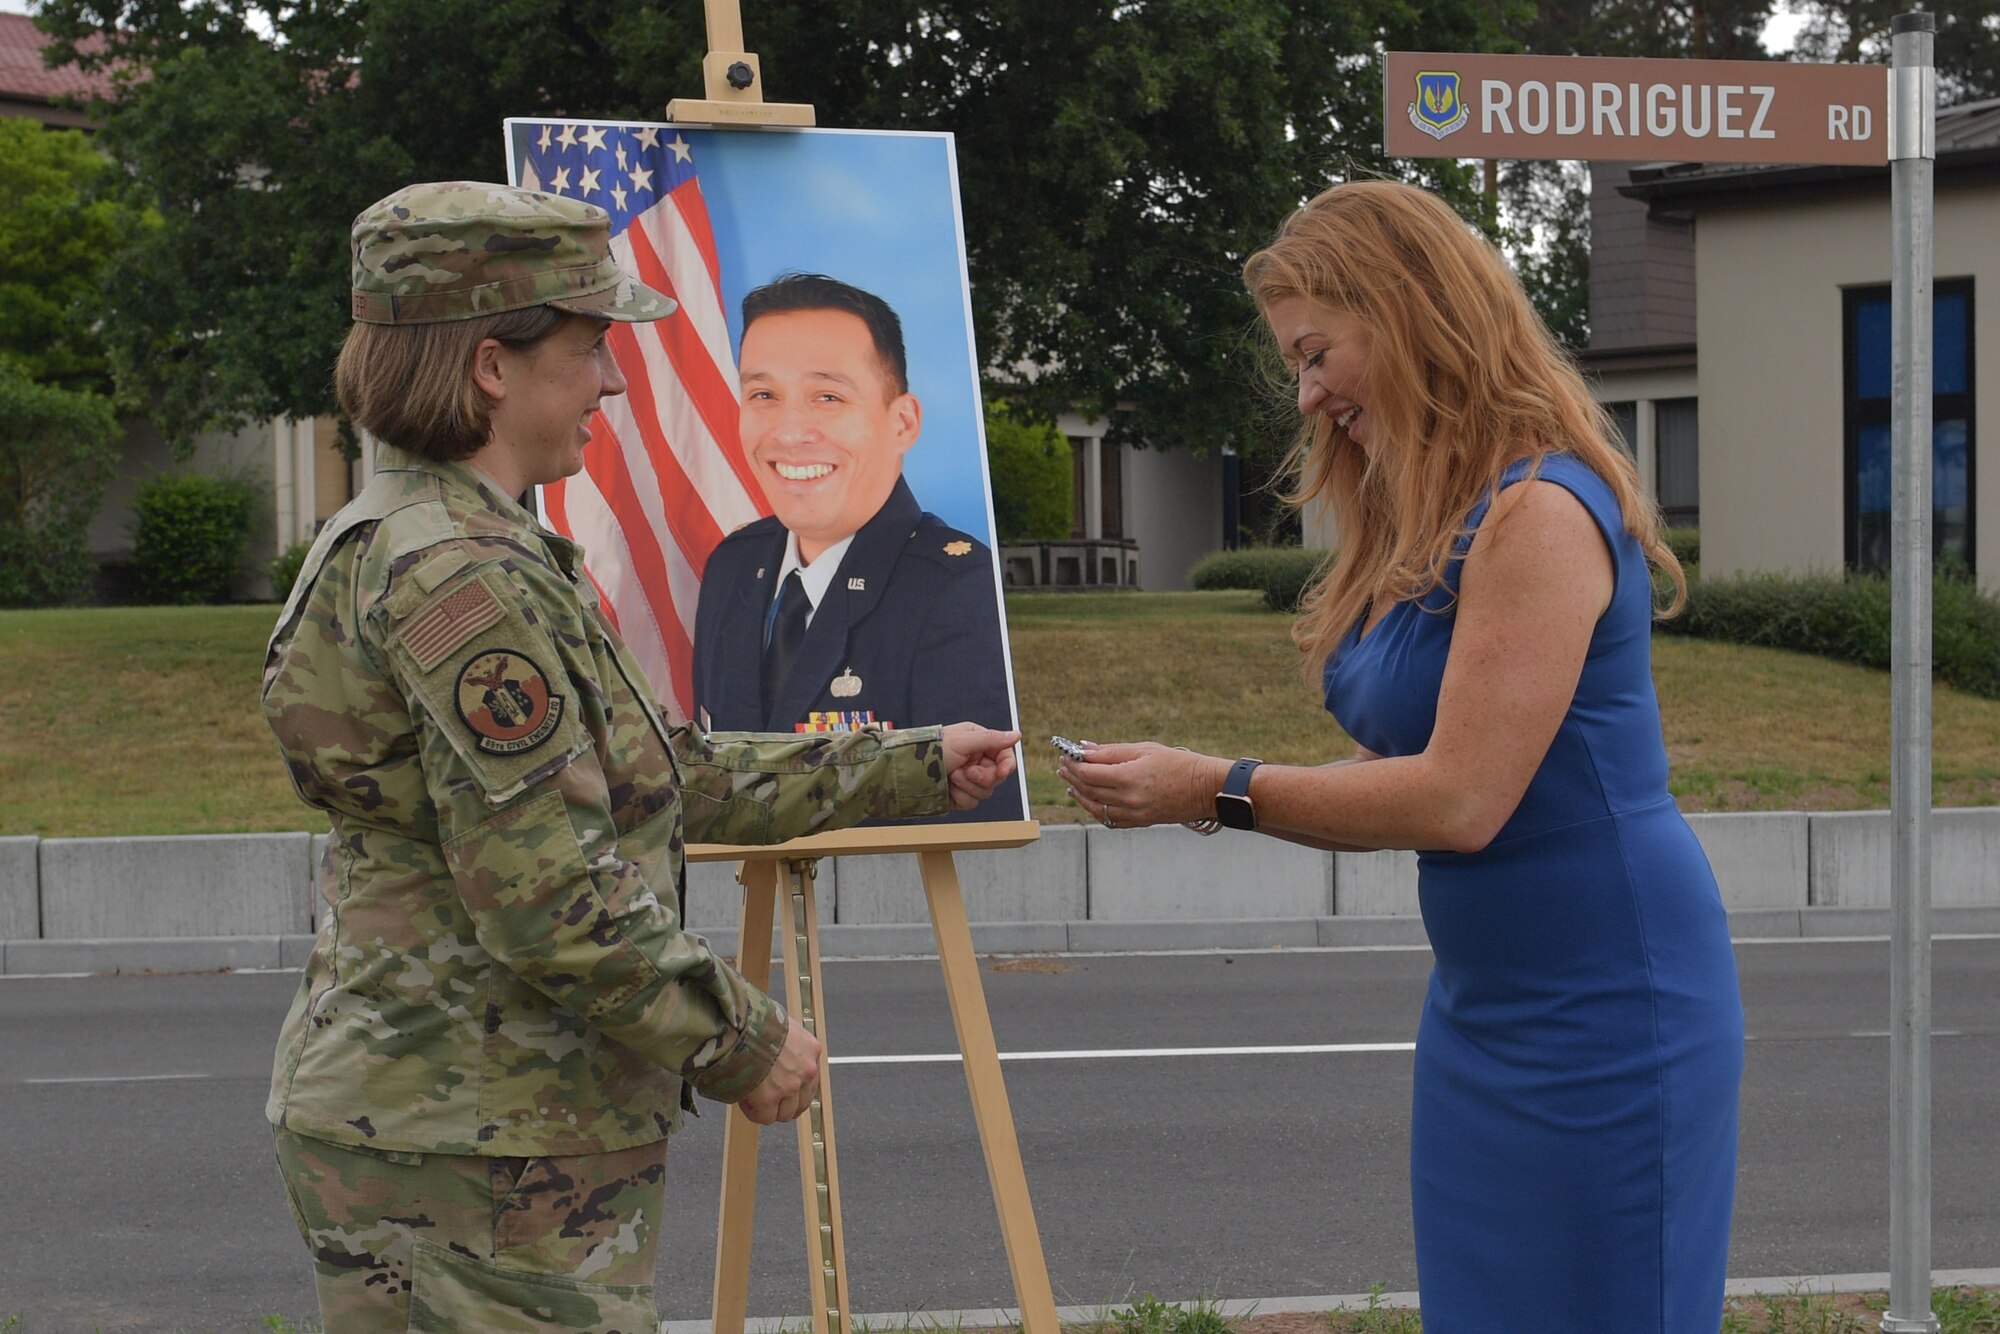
506,701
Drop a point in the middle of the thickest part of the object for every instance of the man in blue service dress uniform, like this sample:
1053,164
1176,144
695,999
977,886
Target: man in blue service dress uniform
849,605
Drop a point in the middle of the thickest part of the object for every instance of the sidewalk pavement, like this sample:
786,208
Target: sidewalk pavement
1237,1308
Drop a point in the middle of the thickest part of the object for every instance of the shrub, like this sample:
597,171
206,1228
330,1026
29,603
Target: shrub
1029,462
1281,574
190,535
284,569
1965,636
1848,618
1685,543
58,451
1245,567
1287,580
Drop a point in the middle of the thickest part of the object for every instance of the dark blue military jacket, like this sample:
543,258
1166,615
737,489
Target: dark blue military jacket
909,630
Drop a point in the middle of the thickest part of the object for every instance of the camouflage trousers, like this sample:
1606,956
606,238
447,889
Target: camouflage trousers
438,1242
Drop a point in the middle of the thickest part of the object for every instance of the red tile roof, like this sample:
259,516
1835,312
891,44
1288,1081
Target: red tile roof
22,74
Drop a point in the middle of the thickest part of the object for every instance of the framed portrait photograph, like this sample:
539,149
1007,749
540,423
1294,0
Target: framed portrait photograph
788,514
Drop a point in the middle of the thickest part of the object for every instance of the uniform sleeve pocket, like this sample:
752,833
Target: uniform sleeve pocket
535,907
453,1292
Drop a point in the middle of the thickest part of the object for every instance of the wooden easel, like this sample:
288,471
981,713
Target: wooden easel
734,87
794,864
732,80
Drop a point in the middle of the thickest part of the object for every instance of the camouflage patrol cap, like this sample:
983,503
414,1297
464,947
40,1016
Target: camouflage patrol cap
452,250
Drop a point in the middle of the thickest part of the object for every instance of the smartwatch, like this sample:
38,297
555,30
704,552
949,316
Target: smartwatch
1233,805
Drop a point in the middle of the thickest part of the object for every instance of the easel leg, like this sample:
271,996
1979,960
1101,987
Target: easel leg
819,1174
989,1095
731,1300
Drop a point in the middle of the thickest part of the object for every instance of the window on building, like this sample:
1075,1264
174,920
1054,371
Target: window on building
1112,490
1677,461
1866,336
1625,416
1079,474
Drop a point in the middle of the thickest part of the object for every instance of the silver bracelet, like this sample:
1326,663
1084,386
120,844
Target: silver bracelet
1202,827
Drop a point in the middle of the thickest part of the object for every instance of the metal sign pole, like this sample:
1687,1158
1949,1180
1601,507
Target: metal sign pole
1912,154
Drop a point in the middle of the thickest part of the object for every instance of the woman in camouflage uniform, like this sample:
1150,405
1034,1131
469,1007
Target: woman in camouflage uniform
502,1020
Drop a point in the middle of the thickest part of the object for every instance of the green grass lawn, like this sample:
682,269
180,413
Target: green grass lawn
144,720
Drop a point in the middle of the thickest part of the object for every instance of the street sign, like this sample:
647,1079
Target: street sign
1604,108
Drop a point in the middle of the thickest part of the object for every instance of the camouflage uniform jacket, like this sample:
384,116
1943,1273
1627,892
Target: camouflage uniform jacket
500,968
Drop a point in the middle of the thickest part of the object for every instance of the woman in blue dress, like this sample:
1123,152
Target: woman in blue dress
1485,636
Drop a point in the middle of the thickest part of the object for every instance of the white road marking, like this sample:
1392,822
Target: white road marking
1129,1053
1167,1053
108,1079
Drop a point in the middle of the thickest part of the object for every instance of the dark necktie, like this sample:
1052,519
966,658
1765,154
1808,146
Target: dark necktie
787,632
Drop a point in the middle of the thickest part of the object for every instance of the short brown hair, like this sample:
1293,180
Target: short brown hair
815,291
411,384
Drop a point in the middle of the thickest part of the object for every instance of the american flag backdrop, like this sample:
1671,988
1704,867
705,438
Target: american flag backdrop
665,477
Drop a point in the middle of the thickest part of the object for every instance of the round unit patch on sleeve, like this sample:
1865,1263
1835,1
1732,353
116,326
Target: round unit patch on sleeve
505,699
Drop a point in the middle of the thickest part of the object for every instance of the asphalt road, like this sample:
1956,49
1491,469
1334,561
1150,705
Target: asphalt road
141,1192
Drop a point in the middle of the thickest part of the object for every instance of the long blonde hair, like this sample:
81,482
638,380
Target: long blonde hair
1465,380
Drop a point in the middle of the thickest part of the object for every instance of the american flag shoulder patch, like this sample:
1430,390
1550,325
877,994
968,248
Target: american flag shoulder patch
443,623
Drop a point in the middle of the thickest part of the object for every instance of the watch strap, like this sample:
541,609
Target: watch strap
1233,806
1237,784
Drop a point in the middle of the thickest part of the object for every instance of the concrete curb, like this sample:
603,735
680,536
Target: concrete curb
153,954
1238,1307
199,902
202,954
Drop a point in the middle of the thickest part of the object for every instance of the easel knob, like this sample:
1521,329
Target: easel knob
731,80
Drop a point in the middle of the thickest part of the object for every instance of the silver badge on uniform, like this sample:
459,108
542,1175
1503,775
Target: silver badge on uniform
846,686
857,585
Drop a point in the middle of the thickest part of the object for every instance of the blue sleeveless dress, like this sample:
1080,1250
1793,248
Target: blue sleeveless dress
1573,1128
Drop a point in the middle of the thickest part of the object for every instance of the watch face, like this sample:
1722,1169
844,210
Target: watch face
1235,812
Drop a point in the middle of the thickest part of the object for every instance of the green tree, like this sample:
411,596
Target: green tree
1118,160
58,448
1545,231
1967,49
1544,206
60,227
1033,479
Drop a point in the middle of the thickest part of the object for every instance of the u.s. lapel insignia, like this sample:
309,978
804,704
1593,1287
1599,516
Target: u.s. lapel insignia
846,686
857,585
958,548
760,572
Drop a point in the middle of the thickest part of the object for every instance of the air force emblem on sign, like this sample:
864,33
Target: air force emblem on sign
1438,109
505,699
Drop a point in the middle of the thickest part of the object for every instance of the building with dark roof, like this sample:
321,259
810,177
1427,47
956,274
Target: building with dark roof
1740,335
31,89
